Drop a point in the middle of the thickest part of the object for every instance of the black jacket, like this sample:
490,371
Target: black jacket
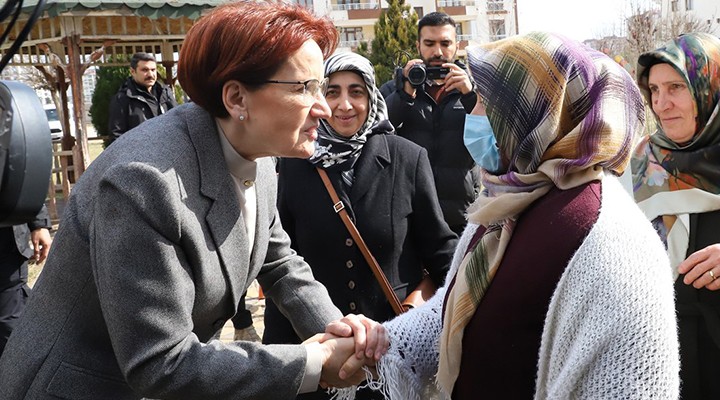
439,129
393,204
17,238
132,105
698,312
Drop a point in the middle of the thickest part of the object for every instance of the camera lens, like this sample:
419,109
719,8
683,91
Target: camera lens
416,75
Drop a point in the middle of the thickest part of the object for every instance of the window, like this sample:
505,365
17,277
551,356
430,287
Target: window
350,37
495,5
674,5
354,5
305,3
460,35
497,29
688,5
348,4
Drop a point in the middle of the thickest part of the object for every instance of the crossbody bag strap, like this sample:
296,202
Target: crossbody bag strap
339,208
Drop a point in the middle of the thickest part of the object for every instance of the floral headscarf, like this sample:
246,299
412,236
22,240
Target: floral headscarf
562,114
670,180
334,151
696,57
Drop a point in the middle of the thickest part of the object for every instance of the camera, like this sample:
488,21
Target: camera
25,147
25,153
418,74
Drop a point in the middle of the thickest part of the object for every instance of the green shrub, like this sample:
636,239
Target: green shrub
109,80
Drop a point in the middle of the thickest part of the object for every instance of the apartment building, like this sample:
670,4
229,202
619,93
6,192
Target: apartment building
706,11
478,21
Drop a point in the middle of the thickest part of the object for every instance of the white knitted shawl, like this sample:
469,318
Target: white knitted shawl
610,331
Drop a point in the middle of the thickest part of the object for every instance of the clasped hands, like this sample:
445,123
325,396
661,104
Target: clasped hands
348,344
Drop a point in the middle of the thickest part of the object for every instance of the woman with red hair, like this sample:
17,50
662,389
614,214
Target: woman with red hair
168,227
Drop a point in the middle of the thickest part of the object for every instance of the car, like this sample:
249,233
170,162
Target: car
56,132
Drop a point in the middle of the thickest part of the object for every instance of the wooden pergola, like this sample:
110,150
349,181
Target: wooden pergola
70,36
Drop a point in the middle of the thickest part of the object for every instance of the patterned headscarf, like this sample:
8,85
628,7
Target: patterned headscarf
671,180
562,114
334,151
696,57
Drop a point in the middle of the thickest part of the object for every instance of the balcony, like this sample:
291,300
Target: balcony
350,43
496,7
456,3
463,41
355,11
356,6
457,7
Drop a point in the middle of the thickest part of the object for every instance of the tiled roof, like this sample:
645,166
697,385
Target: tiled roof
150,9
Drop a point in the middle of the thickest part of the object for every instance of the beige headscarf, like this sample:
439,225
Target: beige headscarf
562,114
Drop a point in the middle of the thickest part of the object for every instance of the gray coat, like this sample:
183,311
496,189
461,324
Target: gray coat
149,262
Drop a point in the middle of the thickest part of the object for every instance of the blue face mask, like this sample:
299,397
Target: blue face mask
480,142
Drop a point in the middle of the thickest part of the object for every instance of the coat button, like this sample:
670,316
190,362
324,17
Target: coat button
353,307
348,242
351,285
349,264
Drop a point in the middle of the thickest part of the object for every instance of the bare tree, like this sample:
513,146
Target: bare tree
32,77
643,28
50,79
647,29
680,22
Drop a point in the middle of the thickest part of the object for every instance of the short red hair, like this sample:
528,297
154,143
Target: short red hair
247,41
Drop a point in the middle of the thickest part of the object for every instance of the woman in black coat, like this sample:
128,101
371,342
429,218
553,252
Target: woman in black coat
386,184
677,185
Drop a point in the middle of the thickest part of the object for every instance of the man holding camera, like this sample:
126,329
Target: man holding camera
427,104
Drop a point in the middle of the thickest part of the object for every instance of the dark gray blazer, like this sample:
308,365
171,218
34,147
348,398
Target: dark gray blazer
149,262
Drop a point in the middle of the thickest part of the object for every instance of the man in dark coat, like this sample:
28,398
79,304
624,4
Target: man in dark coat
432,115
140,98
15,250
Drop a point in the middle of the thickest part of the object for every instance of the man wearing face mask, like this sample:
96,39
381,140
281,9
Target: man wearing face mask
432,114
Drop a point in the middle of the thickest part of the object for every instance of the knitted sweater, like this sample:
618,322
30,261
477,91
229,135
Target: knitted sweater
610,330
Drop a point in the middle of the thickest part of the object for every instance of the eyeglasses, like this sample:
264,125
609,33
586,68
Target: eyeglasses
310,86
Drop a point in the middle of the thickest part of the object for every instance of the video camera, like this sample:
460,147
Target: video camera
25,144
25,154
418,74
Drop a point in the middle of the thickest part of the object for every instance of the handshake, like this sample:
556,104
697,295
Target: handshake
347,345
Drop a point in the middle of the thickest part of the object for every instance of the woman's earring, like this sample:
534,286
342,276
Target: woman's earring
241,118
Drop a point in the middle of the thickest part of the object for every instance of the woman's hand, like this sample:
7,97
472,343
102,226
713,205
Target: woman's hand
340,366
371,339
702,268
